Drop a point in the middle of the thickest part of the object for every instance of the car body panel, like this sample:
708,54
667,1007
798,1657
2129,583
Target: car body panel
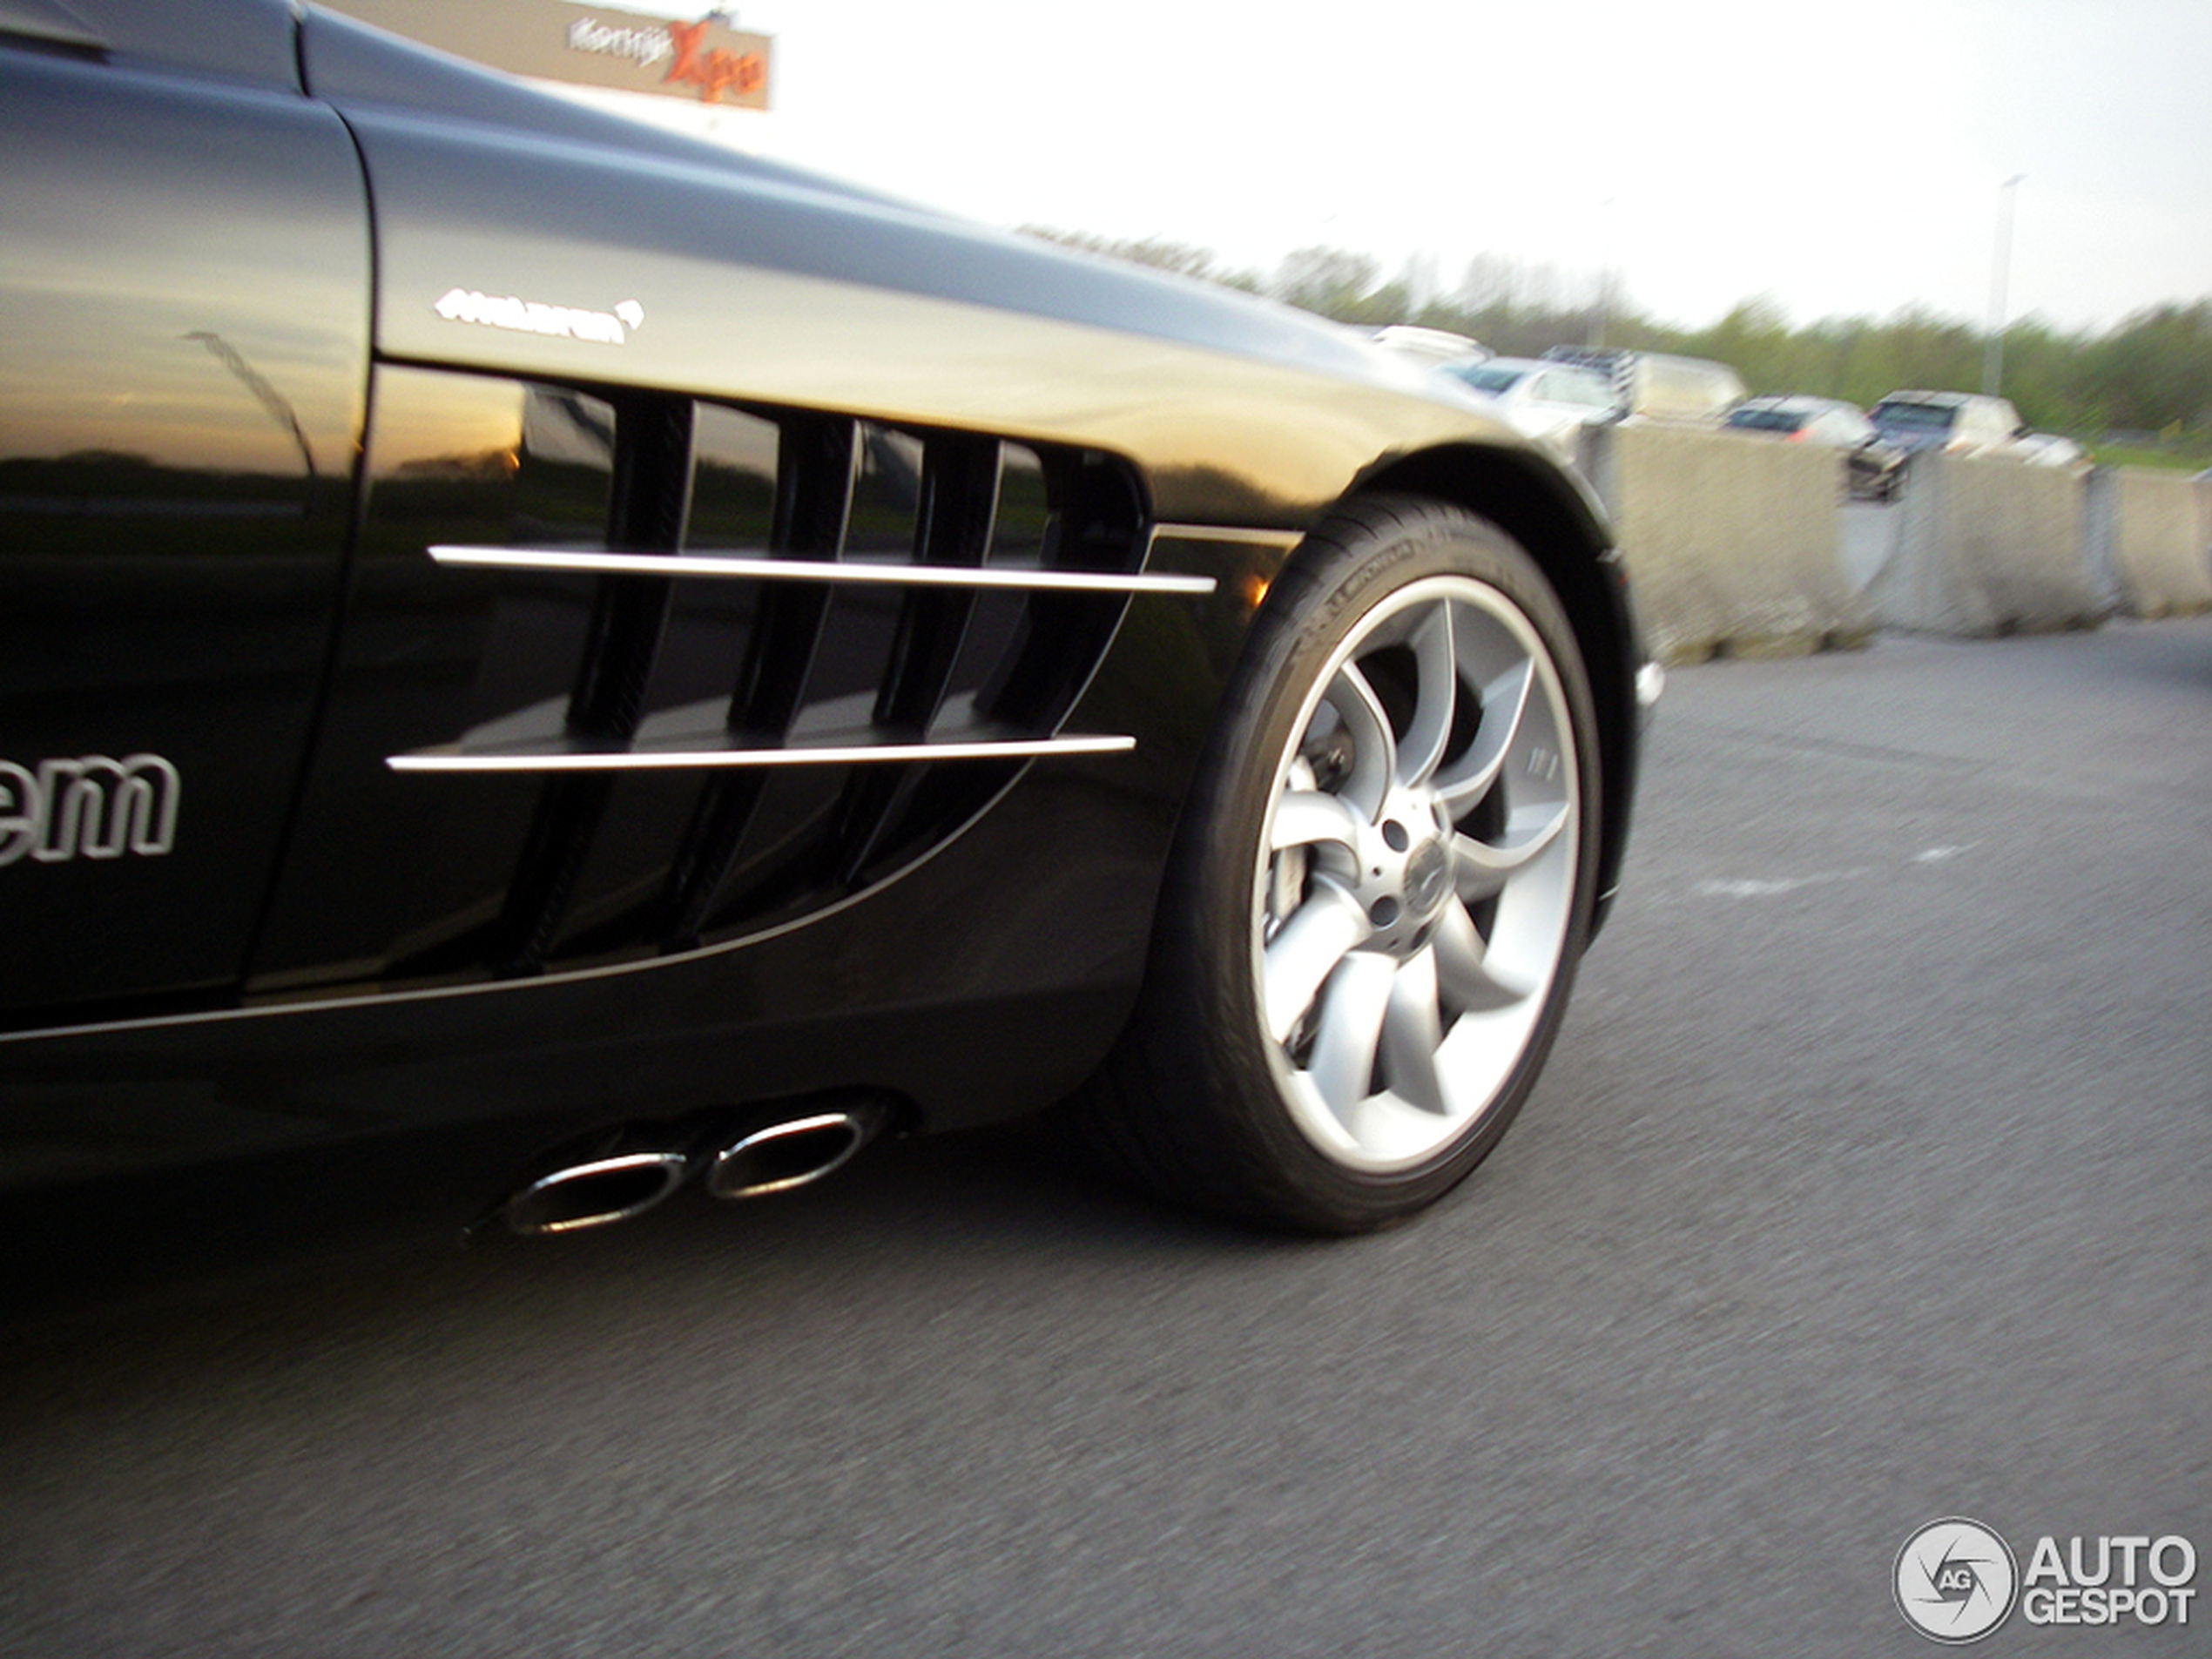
175,469
244,41
728,358
1279,442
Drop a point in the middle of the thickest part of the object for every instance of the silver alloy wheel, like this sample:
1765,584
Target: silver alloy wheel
1416,878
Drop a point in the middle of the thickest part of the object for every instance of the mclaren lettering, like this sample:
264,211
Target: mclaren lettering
522,316
91,808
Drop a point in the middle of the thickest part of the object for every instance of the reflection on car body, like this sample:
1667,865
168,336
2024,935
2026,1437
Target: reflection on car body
640,663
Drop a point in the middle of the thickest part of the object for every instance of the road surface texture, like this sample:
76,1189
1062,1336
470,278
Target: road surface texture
1871,1183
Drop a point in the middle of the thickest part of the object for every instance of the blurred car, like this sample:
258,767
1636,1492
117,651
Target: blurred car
1431,345
1953,422
1873,466
545,661
2049,449
1553,403
1654,386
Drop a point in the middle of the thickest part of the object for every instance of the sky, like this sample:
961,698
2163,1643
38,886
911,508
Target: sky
1834,160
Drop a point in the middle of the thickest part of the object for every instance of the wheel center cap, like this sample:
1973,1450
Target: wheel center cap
1428,878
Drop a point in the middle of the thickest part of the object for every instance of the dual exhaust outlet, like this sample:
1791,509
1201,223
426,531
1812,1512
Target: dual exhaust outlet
775,1157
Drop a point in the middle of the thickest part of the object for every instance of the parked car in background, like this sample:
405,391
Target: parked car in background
1653,385
544,662
1554,403
1873,466
2050,450
1960,424
1430,345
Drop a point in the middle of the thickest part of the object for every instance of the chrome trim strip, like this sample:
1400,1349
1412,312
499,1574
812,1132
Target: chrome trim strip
449,761
1219,533
752,568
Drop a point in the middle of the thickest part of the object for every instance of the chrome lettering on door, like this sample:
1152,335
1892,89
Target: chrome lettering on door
93,807
522,316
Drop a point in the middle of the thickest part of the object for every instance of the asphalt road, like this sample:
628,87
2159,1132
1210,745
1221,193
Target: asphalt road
1871,1183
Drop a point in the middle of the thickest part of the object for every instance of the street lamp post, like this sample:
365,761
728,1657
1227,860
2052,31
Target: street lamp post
1608,278
1992,354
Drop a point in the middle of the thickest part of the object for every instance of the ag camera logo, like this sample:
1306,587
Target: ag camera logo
1956,1581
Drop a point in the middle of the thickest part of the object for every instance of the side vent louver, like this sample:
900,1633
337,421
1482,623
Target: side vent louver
816,647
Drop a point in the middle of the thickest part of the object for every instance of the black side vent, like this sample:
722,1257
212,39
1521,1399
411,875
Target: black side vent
815,648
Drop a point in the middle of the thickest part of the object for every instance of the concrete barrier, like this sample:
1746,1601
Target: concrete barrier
1733,540
1988,547
2147,534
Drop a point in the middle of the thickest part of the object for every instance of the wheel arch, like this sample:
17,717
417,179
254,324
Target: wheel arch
1565,531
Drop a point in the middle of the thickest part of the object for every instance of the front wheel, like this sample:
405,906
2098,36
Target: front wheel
1382,886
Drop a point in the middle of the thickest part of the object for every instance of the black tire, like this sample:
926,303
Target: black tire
1393,641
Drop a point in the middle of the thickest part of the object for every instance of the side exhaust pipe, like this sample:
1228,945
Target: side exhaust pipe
596,1193
584,1191
793,1153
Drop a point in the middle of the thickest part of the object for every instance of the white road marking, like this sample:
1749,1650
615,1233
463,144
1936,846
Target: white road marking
1938,854
1776,888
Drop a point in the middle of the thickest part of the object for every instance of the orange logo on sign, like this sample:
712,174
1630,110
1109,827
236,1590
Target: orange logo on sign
713,71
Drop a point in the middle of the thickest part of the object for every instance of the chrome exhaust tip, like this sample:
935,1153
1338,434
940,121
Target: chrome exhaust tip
791,1154
595,1194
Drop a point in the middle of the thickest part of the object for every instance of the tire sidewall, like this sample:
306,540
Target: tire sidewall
1340,575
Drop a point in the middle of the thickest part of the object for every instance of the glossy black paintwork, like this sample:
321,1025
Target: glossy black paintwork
515,875
181,412
273,622
466,196
248,41
384,868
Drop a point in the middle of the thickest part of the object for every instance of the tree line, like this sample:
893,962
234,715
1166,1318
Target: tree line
2150,374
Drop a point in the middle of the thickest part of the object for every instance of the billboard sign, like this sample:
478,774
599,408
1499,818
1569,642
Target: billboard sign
708,61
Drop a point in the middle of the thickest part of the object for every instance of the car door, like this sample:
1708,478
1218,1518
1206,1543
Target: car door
183,319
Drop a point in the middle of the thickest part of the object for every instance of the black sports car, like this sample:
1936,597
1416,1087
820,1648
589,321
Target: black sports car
531,634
